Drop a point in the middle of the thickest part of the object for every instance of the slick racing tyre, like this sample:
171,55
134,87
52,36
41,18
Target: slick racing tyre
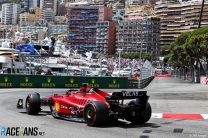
113,119
96,113
141,116
33,104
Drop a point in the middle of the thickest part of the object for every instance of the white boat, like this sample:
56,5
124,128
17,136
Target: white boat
56,69
9,59
126,72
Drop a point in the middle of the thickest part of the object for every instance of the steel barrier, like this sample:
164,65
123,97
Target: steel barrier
141,83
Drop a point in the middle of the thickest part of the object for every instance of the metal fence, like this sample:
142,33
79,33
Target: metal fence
146,76
188,74
147,70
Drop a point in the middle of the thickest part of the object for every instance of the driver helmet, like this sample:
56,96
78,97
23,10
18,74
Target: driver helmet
85,88
88,88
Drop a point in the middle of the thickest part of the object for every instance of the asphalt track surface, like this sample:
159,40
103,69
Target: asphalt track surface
167,95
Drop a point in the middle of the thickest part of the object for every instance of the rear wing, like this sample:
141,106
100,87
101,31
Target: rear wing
128,95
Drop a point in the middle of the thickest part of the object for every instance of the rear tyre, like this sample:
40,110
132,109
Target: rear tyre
113,119
33,104
96,113
143,116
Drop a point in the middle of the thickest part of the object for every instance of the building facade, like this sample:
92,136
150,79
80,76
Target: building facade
61,9
118,4
139,35
177,18
118,15
137,2
7,31
48,14
23,19
49,9
38,13
82,25
57,29
33,29
61,20
10,13
28,4
30,18
48,4
52,4
105,37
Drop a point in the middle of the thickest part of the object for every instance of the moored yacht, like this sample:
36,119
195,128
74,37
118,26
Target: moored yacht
9,59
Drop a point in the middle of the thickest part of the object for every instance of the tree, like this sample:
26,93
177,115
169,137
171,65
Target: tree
190,49
136,55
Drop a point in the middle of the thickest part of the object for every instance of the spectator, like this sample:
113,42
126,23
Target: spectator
49,72
38,72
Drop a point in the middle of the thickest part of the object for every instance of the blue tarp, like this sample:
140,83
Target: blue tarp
26,48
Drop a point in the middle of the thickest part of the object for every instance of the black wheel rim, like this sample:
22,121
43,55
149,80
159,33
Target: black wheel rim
89,114
28,105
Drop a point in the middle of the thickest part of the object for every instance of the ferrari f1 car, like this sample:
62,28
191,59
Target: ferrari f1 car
92,105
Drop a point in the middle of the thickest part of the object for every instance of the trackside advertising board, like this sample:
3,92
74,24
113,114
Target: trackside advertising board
36,81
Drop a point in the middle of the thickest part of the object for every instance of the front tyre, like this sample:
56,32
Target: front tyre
95,113
33,104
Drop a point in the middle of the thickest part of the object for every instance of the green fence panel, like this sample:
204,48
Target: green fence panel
38,81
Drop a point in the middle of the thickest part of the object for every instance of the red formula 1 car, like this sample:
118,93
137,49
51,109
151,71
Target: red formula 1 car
92,105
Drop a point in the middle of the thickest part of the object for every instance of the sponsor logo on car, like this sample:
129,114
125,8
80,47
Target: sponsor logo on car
130,93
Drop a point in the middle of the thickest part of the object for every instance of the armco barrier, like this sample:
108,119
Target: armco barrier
38,81
135,84
145,82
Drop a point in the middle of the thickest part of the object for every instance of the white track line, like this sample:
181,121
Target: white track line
160,115
205,116
157,115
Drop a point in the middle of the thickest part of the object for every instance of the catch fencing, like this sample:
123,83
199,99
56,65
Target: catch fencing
146,76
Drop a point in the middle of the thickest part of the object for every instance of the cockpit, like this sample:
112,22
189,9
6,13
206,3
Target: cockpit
87,89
